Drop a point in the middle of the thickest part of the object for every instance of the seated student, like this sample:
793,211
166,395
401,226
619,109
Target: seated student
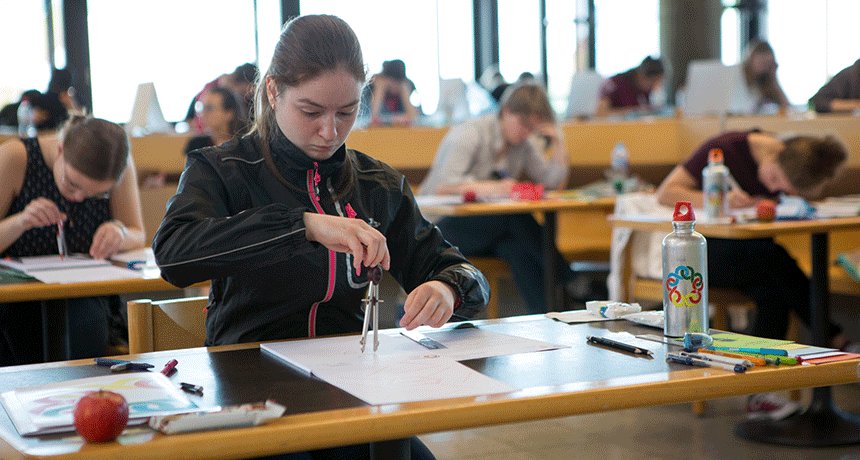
223,116
286,220
390,93
763,166
240,81
630,91
758,90
486,156
84,178
841,93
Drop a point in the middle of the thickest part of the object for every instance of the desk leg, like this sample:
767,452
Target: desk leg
394,449
549,281
822,424
55,337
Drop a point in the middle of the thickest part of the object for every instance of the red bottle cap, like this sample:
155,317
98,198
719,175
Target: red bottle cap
715,156
683,212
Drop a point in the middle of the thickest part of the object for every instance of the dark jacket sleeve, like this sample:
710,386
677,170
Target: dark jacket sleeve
839,87
206,234
419,254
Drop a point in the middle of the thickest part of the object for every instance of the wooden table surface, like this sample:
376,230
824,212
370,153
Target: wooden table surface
578,379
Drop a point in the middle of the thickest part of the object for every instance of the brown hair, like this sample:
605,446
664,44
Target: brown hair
233,103
768,87
809,162
95,147
308,47
528,99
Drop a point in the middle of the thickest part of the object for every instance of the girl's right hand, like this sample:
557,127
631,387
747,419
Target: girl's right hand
738,198
354,236
41,212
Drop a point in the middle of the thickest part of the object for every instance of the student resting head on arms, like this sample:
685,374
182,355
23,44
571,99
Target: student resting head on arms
763,166
83,178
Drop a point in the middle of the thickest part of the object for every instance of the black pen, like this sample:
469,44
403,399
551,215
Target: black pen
619,345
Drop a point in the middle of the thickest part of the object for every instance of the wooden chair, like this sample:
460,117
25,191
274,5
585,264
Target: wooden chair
494,269
166,324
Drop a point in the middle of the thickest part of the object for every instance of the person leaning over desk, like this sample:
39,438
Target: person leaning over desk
285,220
841,93
84,178
763,167
486,156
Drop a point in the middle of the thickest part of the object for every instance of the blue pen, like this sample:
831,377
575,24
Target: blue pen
109,361
758,351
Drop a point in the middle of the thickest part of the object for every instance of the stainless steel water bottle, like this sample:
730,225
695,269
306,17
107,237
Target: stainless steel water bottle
715,185
685,275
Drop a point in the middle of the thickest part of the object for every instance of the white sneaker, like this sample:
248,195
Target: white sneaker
771,406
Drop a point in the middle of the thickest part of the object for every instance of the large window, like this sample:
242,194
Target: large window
519,39
177,45
433,38
812,42
626,31
24,34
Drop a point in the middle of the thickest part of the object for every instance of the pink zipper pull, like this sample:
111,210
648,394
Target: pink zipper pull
350,212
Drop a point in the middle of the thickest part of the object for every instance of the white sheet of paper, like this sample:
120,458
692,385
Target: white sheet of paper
144,254
402,370
51,262
84,274
576,316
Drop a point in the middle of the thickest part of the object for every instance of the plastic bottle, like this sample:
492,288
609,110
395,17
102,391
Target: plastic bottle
715,185
620,163
685,275
26,127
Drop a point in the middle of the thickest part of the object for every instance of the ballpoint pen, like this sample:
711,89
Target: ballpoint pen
690,361
371,307
619,345
719,358
61,240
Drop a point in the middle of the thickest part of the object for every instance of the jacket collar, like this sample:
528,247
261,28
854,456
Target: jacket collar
291,160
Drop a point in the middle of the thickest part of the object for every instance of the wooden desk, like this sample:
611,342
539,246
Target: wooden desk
577,380
803,429
548,208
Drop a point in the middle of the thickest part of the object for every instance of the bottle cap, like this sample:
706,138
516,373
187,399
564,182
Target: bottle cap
683,212
715,156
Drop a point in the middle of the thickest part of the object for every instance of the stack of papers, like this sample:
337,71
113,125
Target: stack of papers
74,268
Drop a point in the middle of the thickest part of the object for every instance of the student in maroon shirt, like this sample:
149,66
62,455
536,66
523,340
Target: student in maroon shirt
763,167
631,90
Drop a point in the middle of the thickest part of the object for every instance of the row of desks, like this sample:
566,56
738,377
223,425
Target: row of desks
579,379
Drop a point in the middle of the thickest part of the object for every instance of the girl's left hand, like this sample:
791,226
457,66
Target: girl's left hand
431,303
107,241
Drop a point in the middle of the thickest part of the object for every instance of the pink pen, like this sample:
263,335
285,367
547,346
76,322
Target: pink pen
61,240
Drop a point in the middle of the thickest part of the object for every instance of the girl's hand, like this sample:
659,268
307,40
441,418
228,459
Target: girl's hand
431,303
739,199
354,236
107,240
41,212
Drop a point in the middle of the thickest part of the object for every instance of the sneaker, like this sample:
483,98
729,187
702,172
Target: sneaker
770,406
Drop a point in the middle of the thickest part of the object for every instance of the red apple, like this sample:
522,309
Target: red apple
100,416
766,210
470,196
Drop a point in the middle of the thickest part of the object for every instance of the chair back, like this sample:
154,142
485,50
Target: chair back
166,324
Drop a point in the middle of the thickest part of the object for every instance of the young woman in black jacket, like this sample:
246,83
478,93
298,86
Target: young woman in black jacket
284,221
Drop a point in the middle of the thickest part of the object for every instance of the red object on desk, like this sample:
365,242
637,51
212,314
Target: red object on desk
527,191
170,367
